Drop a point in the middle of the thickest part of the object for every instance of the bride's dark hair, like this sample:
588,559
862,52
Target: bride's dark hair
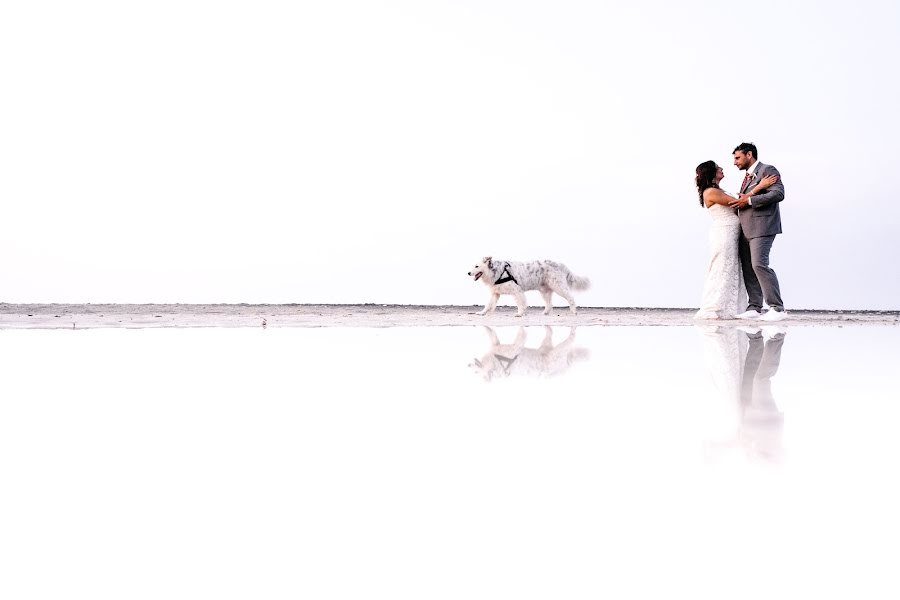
706,177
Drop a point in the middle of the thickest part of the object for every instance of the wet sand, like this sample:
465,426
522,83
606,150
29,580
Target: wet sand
92,316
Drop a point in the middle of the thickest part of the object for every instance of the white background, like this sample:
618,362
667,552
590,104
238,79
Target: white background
369,152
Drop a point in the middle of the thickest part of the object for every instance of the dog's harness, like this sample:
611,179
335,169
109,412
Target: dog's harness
506,362
507,277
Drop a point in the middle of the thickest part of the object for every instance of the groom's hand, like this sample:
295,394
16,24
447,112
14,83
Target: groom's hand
742,201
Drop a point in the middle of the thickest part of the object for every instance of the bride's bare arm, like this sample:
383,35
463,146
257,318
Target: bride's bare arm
764,183
763,197
716,196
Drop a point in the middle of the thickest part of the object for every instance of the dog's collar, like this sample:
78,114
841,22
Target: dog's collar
507,277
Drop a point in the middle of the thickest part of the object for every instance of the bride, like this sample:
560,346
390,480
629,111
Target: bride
723,290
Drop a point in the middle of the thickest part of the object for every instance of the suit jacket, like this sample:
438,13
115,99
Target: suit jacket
762,218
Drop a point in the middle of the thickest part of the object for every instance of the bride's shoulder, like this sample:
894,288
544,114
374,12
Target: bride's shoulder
718,191
715,191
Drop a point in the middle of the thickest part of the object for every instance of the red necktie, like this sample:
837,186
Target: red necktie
746,179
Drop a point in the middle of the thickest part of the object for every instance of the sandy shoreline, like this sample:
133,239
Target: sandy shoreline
90,316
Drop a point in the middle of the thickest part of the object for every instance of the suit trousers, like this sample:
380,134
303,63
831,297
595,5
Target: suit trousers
759,278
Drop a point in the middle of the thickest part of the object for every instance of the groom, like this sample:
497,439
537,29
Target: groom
760,223
761,421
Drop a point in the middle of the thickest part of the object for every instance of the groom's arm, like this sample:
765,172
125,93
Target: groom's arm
774,193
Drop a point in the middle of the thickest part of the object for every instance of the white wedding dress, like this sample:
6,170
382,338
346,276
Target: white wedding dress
724,294
725,352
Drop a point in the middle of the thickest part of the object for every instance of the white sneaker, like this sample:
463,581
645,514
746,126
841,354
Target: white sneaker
774,315
770,332
750,314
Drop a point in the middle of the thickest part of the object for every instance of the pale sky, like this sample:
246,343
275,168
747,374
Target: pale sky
349,152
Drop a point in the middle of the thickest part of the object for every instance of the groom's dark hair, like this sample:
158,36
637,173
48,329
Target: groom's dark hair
747,147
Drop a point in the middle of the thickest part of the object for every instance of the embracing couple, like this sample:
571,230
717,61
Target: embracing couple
743,230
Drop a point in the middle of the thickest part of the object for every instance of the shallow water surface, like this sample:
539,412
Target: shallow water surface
452,462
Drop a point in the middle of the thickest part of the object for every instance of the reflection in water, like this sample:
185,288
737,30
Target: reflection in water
547,360
742,362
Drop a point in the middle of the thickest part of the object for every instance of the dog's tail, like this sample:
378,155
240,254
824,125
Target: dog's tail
577,283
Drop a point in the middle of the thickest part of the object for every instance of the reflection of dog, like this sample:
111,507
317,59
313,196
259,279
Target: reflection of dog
503,360
516,278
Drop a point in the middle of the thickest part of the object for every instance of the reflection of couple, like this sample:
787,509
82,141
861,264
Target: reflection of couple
742,362
743,230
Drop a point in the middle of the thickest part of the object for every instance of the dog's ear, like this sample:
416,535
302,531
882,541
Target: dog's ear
487,260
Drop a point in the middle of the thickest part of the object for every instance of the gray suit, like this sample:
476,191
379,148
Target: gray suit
760,223
761,421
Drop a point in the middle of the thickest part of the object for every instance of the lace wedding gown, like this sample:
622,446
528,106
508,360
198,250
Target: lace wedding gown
724,294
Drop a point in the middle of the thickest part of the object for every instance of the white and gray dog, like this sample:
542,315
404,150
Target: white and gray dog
503,360
516,278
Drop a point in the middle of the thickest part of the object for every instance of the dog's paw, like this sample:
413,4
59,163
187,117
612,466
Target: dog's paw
519,314
546,311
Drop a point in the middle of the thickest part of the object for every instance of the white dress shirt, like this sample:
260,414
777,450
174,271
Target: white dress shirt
752,171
